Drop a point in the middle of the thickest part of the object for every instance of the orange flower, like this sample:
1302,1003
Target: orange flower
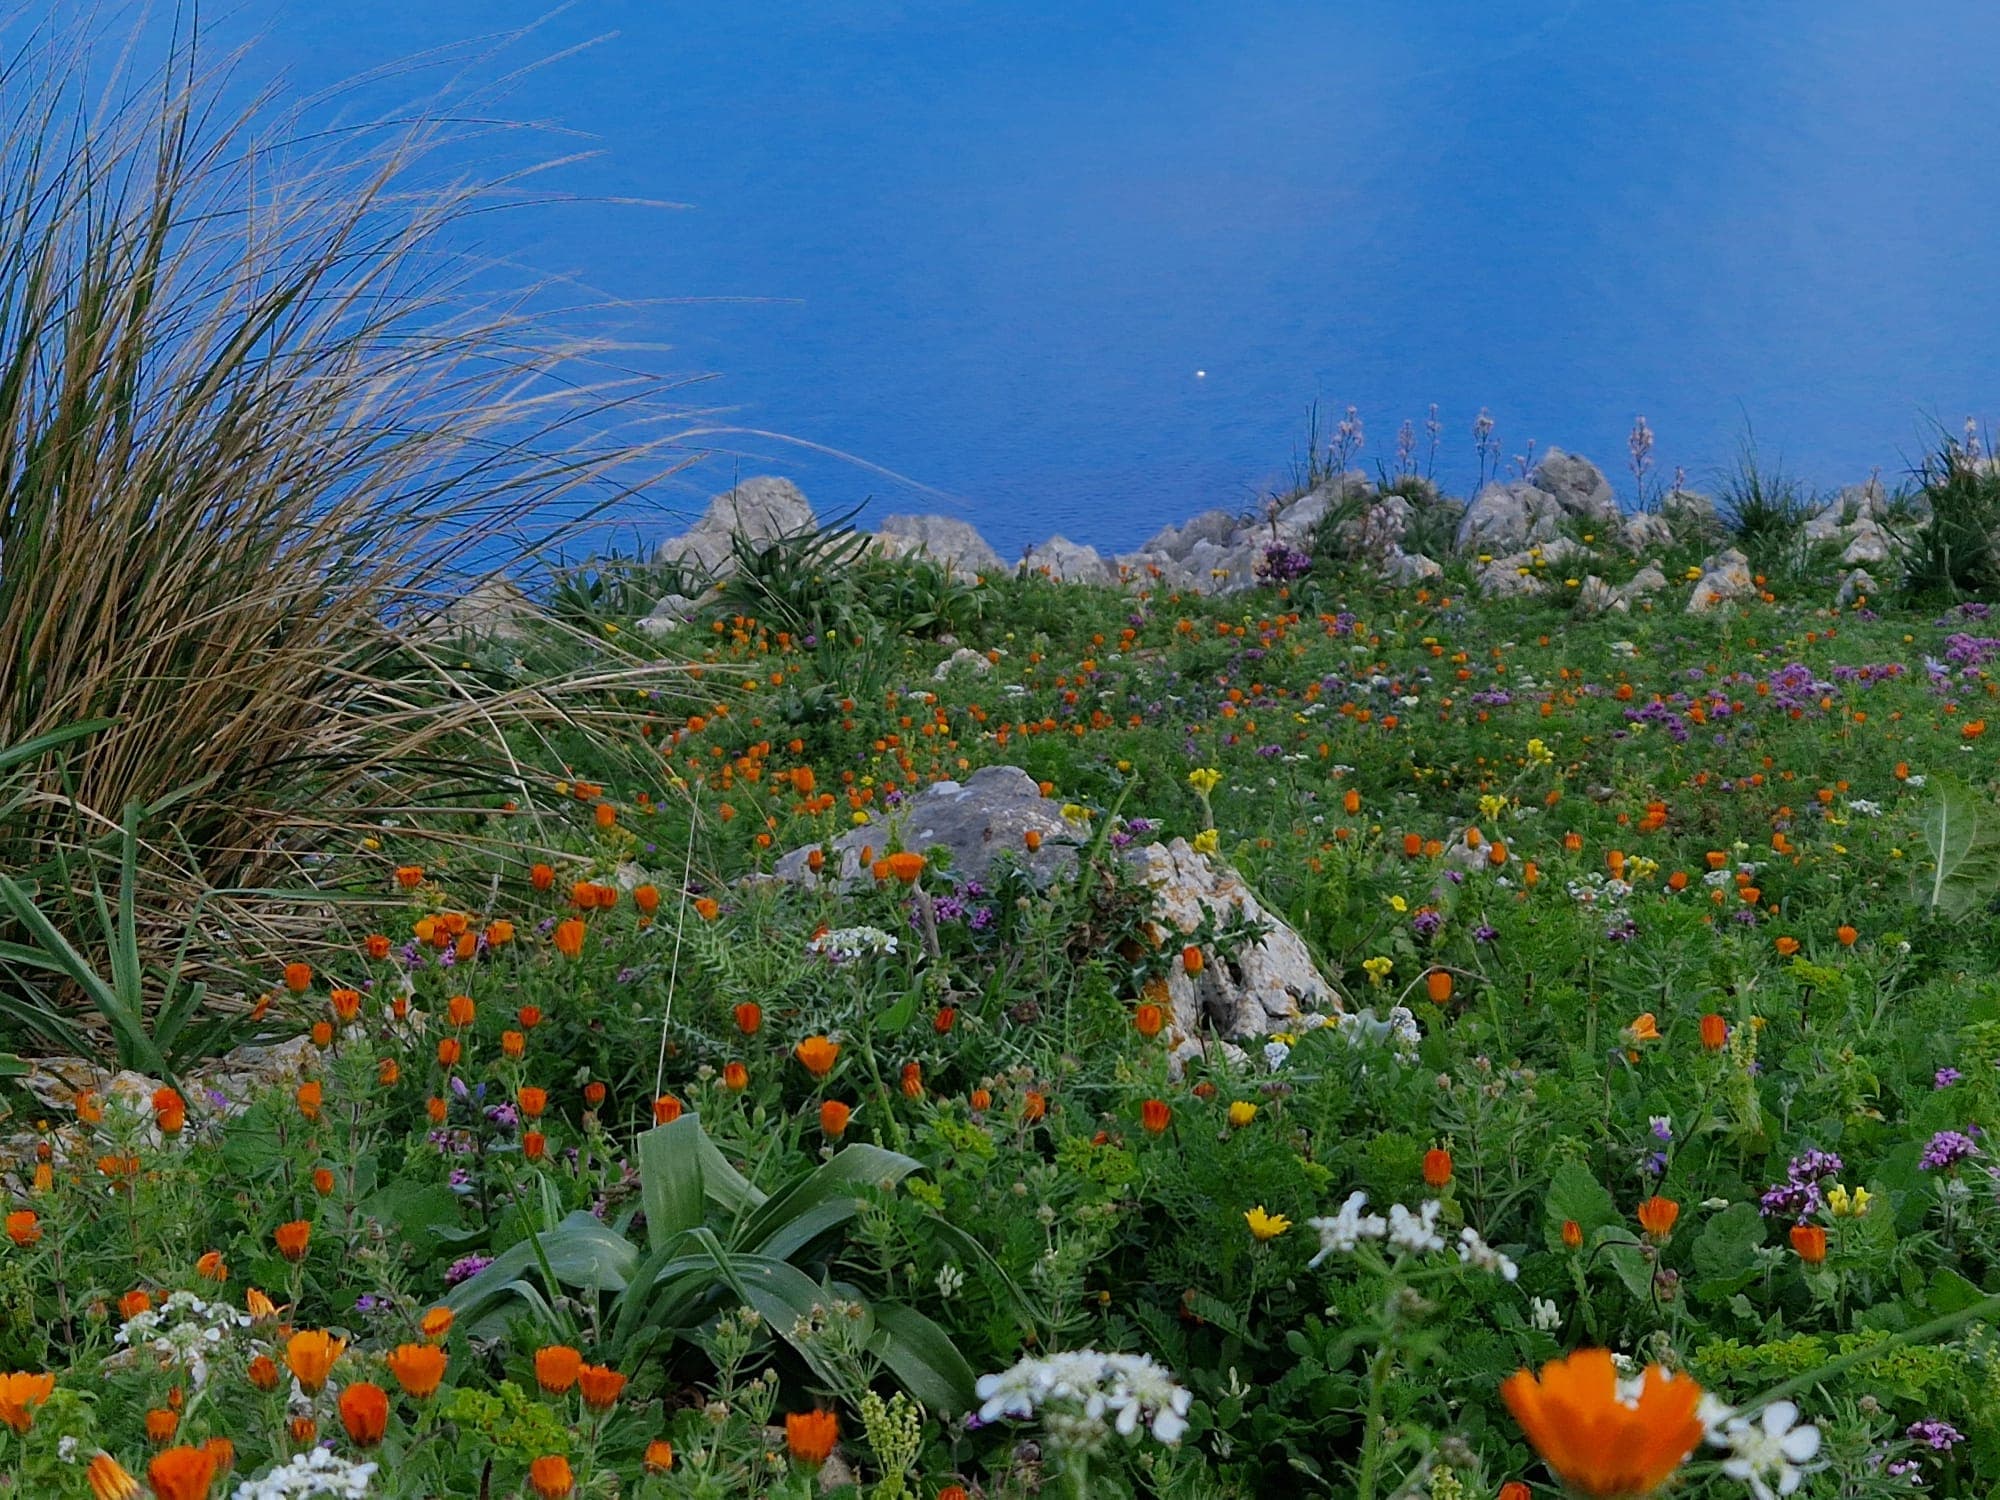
304,1431
387,1072
1439,983
1656,1216
435,1108
600,1386
499,933
817,1055
417,1368
292,1239
1437,1167
459,1010
298,977
1513,1489
310,1097
210,1266
23,1227
182,1474
261,1308
1032,840
513,1043
1572,1235
109,1480
161,1425
409,877
659,1456
593,1094
666,1110
1848,936
1678,881
913,1081
376,945
1644,1028
133,1303
905,867
1714,1032
749,1017
437,1322
735,1077
569,937
1034,1104
322,1181
1810,1241
222,1451
833,1118
1192,963
1787,946
263,1373
20,1394
810,1435
450,1052
322,1033
346,1003
1595,1442
364,1412
532,1101
311,1355
646,898
556,1368
534,1145
1155,1116
1351,801
1413,845
549,1477
981,1101
169,1111
707,908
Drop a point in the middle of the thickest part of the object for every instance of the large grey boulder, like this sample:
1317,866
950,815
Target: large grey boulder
764,509
1408,568
1596,597
1725,579
1213,526
1691,514
1857,585
1643,584
945,539
1067,562
1856,503
989,814
494,609
1646,531
1265,986
1505,518
1866,543
1578,485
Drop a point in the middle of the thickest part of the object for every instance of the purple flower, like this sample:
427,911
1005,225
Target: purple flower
1947,1149
1944,1078
1800,1196
1934,1433
1426,923
465,1268
1485,934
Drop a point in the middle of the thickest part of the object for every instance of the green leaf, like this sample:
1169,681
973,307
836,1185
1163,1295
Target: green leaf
1962,833
581,1252
670,1179
1574,1193
1725,1254
830,1194
922,1356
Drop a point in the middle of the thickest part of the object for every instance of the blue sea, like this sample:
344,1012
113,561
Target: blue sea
1082,267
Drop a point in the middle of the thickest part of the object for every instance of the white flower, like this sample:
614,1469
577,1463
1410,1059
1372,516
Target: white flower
1864,809
316,1474
1915,781
1347,1229
1474,1251
1765,1452
1074,1393
1545,1315
1415,1232
1275,1054
950,1281
847,943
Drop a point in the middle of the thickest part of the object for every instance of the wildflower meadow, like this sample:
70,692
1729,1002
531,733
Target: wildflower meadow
886,1029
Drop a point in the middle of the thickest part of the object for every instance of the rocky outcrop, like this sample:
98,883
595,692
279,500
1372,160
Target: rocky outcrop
1408,568
1521,573
944,539
1579,487
1725,579
1265,986
990,814
764,509
1690,514
1596,597
964,662
1067,562
1857,586
1643,584
1562,488
494,609
1646,531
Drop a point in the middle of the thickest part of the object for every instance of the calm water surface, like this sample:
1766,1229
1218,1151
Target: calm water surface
988,247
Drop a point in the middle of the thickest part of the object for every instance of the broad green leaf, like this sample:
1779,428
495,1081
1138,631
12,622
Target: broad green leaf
670,1179
1962,833
923,1358
843,1179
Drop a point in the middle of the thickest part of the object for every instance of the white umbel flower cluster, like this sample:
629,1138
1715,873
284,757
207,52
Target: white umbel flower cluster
316,1474
185,1331
1413,1232
844,944
1083,1396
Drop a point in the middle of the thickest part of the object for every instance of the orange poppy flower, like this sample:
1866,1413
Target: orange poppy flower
292,1239
1656,1216
556,1368
1810,1242
817,1055
532,1101
24,1228
364,1412
1437,1167
666,1109
1155,1116
810,1436
1149,1019
417,1368
437,1322
182,1474
833,1118
1439,984
20,1394
569,937
600,1386
311,1356
298,977
1596,1441
550,1478
659,1457
109,1480
1192,963
1714,1032
1572,1235
707,908
749,1017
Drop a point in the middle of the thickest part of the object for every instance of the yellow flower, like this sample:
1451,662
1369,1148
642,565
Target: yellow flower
1266,1226
1491,806
1207,841
1539,752
1204,780
860,818
1846,1205
1241,1113
1378,969
1076,813
1398,905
